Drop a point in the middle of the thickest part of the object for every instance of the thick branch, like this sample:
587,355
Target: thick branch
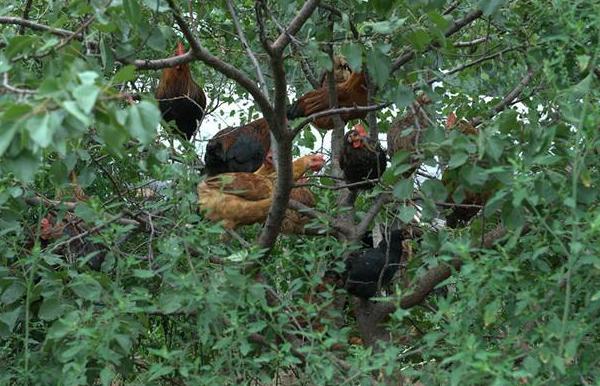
37,26
362,227
340,110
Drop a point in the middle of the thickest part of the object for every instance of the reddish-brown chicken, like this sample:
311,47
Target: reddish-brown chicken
352,92
238,149
293,222
341,71
244,198
180,98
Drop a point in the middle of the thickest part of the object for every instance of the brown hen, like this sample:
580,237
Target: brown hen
350,93
244,198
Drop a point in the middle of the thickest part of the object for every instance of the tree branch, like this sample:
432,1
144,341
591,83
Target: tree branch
409,53
284,38
246,45
37,26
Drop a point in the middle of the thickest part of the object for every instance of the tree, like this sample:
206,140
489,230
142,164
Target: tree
506,297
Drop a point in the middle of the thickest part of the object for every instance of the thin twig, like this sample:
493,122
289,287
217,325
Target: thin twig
37,26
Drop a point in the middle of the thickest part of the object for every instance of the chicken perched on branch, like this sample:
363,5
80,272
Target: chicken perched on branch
341,71
350,93
238,149
362,158
180,98
293,222
370,269
471,200
407,132
245,198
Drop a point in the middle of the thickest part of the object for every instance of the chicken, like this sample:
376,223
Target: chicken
461,215
341,71
350,93
244,198
180,98
368,270
238,149
361,158
293,222
404,133
70,227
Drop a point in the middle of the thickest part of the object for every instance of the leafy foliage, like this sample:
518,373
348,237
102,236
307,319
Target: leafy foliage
173,304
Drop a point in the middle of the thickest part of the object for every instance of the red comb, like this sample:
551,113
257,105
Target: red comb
361,130
180,49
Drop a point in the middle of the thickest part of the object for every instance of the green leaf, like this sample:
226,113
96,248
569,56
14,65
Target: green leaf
24,166
474,175
86,287
457,159
403,189
489,7
156,40
156,5
6,137
4,64
435,190
143,273
142,121
13,293
106,376
10,318
86,95
132,11
51,309
419,39
353,53
491,313
403,96
407,214
379,66
583,61
73,108
88,77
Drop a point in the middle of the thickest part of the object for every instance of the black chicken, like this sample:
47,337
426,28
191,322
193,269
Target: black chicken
238,149
180,98
362,158
370,269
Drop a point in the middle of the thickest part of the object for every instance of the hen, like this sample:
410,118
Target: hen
461,215
238,149
361,158
293,222
406,131
244,198
369,270
350,93
180,98
341,71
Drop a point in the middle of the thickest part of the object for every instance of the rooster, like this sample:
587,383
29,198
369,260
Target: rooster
361,158
180,98
293,222
350,93
368,270
238,149
245,198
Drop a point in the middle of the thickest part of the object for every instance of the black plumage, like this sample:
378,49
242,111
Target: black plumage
361,158
370,269
238,149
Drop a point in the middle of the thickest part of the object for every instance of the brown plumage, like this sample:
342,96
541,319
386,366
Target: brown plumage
461,215
350,93
180,98
398,139
361,158
244,198
293,222
341,71
238,149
